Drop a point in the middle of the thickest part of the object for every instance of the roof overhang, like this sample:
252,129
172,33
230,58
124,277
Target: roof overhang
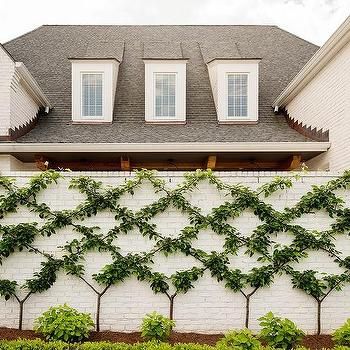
317,62
185,147
234,60
32,85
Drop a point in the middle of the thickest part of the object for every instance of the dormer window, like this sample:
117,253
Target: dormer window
92,93
235,89
237,95
165,94
165,91
93,90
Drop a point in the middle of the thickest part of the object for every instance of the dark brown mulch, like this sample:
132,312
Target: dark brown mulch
13,334
318,341
135,337
313,342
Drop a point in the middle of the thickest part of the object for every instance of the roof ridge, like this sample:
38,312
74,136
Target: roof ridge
157,25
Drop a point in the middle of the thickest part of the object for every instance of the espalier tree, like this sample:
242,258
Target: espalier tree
272,259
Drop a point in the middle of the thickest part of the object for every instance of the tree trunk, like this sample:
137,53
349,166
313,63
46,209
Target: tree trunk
171,307
319,304
20,319
98,308
171,304
247,311
21,307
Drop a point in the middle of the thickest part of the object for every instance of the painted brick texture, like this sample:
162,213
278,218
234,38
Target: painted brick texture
209,307
325,103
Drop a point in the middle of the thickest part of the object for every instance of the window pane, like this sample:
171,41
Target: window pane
165,94
92,104
237,95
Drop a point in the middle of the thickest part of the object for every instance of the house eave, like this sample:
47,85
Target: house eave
317,62
186,147
32,85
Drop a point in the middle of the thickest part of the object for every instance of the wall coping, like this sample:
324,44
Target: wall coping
178,174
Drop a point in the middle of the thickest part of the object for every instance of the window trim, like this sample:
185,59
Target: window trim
92,117
155,96
110,69
163,67
218,70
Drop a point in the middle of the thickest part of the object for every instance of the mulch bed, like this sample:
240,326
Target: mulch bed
314,342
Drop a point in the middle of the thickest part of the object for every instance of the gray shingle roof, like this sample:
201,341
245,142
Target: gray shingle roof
162,50
46,52
104,49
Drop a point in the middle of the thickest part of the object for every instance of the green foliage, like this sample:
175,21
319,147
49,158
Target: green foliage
36,344
7,288
156,327
64,323
342,335
279,332
239,340
318,287
55,345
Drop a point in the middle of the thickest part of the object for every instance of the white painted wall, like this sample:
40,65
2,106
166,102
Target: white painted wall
209,307
325,103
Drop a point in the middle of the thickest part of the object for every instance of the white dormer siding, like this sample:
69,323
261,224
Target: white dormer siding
235,89
165,91
20,95
7,68
94,85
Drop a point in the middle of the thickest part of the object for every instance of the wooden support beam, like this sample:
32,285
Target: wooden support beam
41,162
85,165
211,162
125,163
294,162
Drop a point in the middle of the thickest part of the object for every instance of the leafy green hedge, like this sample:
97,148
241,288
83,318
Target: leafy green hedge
42,345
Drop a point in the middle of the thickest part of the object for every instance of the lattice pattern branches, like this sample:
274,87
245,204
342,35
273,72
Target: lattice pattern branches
274,259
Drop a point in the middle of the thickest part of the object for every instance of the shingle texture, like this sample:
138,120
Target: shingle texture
46,52
162,50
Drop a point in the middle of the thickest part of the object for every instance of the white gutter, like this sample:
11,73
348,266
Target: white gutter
190,147
320,59
32,85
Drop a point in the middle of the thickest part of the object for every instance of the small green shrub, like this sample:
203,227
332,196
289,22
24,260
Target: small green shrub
104,345
279,332
242,339
64,323
156,327
342,335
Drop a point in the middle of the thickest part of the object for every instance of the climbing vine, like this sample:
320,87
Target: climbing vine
274,259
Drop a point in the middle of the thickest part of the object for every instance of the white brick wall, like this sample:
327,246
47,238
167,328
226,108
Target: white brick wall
325,103
209,307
